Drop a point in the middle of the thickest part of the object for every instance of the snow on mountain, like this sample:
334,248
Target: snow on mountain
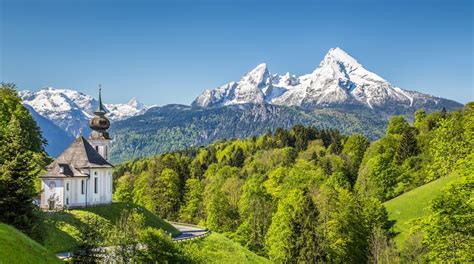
339,80
71,110
123,111
257,86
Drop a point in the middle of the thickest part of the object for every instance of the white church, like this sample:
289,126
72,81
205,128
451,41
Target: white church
81,176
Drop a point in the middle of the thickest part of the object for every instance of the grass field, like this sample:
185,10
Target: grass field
62,227
216,248
15,247
414,204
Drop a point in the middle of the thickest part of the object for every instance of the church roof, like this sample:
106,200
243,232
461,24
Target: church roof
79,155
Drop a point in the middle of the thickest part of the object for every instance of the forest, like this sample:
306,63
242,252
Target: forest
176,127
291,195
315,195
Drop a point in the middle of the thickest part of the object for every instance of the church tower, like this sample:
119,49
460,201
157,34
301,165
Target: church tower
99,137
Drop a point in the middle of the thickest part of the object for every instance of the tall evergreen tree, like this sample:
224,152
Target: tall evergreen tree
407,147
21,160
308,242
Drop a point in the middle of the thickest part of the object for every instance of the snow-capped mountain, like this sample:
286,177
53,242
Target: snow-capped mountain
340,80
257,87
71,110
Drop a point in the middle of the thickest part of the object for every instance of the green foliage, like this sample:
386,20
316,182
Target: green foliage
124,188
216,248
16,247
22,158
90,236
449,144
11,107
62,228
159,248
192,210
176,127
410,156
307,240
355,147
221,196
255,206
124,237
450,227
408,207
397,125
166,190
280,234
305,194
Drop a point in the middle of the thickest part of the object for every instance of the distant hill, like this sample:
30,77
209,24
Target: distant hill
174,127
16,247
414,204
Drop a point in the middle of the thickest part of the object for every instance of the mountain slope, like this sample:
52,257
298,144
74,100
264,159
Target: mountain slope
414,204
16,247
71,110
174,127
340,80
57,138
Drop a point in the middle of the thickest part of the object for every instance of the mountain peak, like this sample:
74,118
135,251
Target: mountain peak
261,67
258,75
339,80
339,55
136,104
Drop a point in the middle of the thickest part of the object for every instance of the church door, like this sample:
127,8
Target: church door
51,204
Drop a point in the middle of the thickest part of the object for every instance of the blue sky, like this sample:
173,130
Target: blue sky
170,51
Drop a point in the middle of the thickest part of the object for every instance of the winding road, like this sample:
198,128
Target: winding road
188,231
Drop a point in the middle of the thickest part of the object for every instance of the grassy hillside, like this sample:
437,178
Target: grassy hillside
16,247
62,227
217,248
414,204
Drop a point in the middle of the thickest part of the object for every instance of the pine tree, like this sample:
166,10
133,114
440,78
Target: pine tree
90,237
18,171
21,159
307,245
407,147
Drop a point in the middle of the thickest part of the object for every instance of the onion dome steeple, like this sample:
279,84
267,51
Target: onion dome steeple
99,123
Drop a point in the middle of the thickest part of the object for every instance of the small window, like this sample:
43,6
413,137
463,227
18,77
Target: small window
67,186
97,148
95,185
67,201
95,172
82,187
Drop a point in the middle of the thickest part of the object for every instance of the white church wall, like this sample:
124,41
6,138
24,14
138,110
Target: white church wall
52,190
102,194
76,193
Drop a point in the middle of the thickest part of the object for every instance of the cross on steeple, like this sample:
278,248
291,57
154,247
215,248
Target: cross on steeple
100,107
